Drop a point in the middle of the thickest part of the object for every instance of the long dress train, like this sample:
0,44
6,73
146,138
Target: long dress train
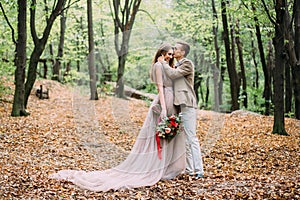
142,167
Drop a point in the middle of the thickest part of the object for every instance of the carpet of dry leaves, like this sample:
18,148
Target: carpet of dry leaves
242,159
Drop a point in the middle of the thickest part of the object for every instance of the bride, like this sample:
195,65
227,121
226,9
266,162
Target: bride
143,166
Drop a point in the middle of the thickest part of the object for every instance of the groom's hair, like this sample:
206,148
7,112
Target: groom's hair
185,47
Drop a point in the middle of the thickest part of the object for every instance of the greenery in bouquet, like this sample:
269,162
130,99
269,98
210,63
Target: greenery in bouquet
169,127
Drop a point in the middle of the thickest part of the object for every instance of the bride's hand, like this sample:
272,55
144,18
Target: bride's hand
163,114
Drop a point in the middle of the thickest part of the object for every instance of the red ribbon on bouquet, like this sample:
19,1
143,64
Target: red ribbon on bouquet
158,142
158,145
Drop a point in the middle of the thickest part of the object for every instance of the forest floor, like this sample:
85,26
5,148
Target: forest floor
242,158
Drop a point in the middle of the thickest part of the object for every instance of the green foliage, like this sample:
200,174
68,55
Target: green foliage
290,114
256,102
106,89
150,88
156,22
137,72
78,78
7,47
226,97
7,68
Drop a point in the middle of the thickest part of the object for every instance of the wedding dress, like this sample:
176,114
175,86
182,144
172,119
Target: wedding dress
142,167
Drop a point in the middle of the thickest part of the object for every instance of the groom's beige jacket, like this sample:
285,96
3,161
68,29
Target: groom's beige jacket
183,80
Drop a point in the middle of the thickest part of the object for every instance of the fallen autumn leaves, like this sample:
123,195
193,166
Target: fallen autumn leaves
242,159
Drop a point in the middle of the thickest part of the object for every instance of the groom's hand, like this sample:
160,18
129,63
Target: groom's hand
161,59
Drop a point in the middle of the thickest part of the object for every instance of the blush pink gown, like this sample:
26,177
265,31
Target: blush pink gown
142,167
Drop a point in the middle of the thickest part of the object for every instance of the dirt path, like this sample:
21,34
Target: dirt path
91,130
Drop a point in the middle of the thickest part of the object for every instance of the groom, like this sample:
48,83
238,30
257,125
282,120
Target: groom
184,96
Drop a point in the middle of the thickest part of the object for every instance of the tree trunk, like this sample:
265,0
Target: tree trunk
288,87
221,81
31,74
207,89
80,42
292,36
123,24
243,73
20,62
104,59
255,81
231,70
121,68
296,66
197,78
270,68
78,49
278,126
232,44
216,66
253,51
57,65
45,69
267,84
68,68
91,56
290,57
39,44
51,52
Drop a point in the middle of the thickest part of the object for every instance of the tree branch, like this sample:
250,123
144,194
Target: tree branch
245,5
293,15
54,3
116,29
68,6
57,10
9,24
134,11
152,19
127,11
32,22
268,13
46,9
116,18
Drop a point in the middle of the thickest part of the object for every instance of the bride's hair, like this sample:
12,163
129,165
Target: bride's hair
162,50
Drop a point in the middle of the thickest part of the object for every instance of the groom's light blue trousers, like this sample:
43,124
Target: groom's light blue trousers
194,164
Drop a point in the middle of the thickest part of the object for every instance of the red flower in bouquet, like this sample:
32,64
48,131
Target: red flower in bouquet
174,124
168,128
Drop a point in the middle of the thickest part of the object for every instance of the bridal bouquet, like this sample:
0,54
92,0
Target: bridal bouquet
169,127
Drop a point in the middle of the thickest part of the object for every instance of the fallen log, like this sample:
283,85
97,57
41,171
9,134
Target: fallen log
133,93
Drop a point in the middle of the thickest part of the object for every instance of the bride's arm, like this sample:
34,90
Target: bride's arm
159,84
